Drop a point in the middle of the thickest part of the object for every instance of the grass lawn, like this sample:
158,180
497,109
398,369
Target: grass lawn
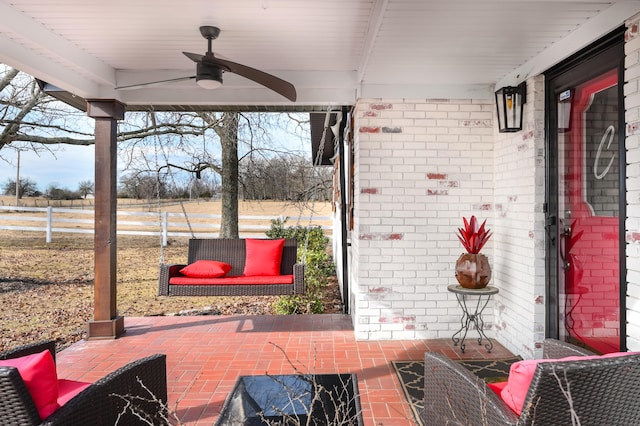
46,290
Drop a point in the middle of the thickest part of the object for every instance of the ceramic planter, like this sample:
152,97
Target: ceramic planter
473,270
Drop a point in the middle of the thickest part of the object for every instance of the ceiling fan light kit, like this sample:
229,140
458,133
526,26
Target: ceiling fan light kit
208,77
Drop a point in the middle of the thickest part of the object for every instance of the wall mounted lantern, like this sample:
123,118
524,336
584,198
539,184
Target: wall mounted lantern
510,102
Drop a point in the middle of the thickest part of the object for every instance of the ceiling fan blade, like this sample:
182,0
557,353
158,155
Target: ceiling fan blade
269,81
193,56
153,83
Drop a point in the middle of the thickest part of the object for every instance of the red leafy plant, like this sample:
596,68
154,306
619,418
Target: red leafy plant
472,236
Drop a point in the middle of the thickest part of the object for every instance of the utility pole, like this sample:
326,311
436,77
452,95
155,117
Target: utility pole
18,181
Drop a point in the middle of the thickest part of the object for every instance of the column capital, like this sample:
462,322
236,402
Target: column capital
105,108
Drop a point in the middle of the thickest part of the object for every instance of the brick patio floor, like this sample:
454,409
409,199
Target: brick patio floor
206,354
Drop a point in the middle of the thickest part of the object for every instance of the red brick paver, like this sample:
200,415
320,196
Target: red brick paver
206,354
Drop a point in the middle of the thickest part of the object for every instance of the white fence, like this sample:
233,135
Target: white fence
164,224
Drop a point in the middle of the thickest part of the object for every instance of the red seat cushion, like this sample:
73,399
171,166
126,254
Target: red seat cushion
497,386
263,257
206,269
239,280
38,371
67,389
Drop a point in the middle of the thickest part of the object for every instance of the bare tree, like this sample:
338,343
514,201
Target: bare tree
142,186
229,145
30,117
227,130
28,188
85,188
287,177
158,144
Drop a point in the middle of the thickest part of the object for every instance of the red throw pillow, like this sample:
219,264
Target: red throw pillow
263,257
521,374
38,371
206,269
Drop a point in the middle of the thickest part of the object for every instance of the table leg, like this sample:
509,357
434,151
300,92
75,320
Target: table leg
479,323
474,318
464,324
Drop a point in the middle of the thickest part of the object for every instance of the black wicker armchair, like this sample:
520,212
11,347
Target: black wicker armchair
97,405
597,392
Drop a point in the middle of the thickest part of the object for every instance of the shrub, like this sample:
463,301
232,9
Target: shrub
313,251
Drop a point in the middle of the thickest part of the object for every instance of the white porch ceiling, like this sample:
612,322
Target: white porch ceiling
333,51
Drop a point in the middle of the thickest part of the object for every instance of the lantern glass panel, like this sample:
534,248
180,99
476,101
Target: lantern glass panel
509,106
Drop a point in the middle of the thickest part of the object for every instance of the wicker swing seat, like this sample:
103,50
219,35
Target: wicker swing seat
232,251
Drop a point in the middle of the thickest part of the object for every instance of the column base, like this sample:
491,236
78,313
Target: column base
107,329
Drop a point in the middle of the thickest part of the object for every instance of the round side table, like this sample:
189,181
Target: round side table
472,313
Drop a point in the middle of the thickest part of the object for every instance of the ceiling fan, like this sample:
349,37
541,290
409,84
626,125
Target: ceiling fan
209,70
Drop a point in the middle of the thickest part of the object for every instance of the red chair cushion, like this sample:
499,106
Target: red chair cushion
206,269
497,386
67,389
263,257
38,371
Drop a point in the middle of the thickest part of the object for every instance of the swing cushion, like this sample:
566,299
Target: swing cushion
263,257
237,280
206,269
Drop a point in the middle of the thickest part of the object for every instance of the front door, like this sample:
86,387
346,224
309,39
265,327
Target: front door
585,213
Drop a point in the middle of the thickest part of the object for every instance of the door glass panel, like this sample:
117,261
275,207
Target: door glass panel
588,209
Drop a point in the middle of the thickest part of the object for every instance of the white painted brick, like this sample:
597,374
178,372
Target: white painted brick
434,140
632,101
389,114
631,59
379,335
470,107
632,45
426,107
404,335
630,87
448,107
483,115
413,114
434,115
449,123
632,72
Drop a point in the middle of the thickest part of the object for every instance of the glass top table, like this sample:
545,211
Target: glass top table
292,399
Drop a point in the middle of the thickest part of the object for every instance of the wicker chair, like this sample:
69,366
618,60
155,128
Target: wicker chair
603,392
96,405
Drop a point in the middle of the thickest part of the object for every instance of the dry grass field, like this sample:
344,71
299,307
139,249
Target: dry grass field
46,290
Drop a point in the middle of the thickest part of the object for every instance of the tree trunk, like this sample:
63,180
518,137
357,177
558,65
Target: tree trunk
229,142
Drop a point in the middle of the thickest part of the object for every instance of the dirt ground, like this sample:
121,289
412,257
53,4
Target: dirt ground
46,290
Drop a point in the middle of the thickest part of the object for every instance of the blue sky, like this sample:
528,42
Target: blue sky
67,166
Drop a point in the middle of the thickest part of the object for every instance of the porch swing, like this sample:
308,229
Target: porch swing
237,267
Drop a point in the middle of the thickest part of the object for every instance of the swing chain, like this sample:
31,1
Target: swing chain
316,162
159,147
